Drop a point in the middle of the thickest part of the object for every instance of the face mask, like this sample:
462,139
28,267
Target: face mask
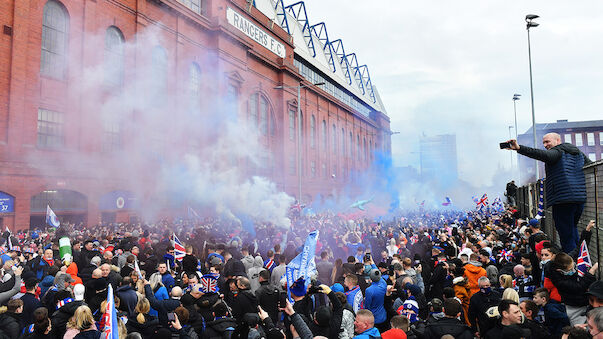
545,261
486,290
570,272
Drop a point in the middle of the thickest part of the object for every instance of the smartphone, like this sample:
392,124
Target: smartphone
171,317
282,300
504,145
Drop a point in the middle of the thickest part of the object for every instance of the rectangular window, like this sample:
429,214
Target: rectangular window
50,129
590,139
291,125
324,170
578,139
313,169
111,136
592,156
194,5
567,138
601,138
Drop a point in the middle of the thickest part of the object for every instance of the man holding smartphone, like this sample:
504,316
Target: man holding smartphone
565,183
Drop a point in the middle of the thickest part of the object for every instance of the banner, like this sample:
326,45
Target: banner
303,265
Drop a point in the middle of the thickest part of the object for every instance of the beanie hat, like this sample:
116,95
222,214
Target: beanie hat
411,305
298,288
375,275
539,246
337,287
78,292
323,316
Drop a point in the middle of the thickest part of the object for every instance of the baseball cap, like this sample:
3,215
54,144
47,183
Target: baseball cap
535,223
596,289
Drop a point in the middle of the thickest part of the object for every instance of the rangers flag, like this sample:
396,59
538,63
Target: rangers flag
583,264
110,331
209,283
51,218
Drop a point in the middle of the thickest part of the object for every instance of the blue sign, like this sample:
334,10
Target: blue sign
117,200
7,203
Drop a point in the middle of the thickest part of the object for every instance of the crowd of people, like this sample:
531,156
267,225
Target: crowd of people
423,275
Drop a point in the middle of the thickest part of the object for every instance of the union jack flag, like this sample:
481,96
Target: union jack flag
209,283
179,251
583,264
483,202
506,255
447,202
475,200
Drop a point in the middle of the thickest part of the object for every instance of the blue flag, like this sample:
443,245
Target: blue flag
51,218
303,265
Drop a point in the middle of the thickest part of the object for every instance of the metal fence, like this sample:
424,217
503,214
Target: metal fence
527,202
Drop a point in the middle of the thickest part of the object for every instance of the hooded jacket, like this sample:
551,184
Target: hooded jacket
128,299
244,302
555,317
254,273
461,291
572,288
473,271
563,164
371,333
452,326
215,329
62,316
374,299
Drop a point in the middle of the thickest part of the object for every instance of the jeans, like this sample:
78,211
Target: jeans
566,217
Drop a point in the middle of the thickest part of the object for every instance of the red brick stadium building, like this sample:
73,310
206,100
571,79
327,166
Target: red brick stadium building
238,51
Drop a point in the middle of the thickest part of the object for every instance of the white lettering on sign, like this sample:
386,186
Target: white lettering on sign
254,32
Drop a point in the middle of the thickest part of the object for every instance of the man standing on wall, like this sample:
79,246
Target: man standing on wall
565,183
511,191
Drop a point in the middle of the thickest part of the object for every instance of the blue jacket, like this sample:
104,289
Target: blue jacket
161,294
555,317
374,299
565,181
369,334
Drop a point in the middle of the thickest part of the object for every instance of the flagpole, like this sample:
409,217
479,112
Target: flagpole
597,221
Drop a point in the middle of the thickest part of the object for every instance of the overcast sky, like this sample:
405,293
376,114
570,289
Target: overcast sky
453,67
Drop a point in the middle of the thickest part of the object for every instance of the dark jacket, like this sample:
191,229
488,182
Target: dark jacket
92,334
10,324
61,316
30,303
565,181
163,307
189,263
147,329
572,288
244,302
452,326
333,327
436,282
478,305
217,328
128,299
538,330
267,296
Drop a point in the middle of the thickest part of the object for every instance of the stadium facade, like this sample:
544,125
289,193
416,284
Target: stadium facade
253,53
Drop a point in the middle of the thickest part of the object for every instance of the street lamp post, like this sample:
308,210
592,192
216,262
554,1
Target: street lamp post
529,24
299,122
515,98
510,137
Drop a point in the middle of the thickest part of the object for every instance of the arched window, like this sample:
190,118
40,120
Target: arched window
159,69
55,35
114,57
312,131
194,84
324,136
343,142
291,124
334,139
263,115
253,110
